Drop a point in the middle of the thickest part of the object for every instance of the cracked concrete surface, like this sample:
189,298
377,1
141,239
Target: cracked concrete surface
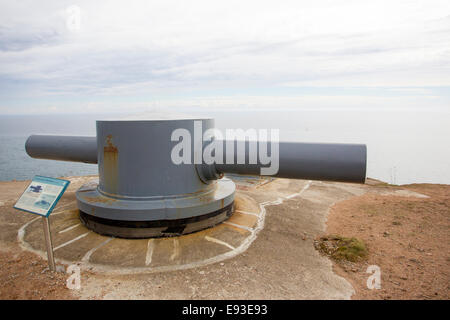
279,263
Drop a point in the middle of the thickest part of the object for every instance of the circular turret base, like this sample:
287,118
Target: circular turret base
154,217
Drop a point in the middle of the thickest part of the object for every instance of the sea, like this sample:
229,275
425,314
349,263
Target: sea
404,146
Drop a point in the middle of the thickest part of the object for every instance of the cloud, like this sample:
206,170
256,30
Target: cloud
419,101
152,49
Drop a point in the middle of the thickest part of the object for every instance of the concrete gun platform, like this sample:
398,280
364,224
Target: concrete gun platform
265,250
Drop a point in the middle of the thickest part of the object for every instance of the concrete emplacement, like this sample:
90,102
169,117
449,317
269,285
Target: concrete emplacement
142,193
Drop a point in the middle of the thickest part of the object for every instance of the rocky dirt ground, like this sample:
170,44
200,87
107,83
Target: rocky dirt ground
406,236
25,276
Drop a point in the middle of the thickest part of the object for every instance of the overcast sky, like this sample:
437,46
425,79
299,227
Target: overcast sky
97,56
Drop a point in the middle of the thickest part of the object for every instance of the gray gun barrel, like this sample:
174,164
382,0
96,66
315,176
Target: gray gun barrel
63,148
147,189
312,161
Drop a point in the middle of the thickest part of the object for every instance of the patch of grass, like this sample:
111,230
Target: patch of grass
342,248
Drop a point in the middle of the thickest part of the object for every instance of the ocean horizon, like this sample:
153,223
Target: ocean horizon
404,146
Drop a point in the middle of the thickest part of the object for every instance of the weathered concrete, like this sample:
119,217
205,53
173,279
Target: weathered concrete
265,251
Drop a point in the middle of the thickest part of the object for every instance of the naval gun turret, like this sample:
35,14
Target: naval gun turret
165,177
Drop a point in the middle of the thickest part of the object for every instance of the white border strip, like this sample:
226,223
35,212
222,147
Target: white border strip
150,248
88,254
71,241
249,213
70,228
211,239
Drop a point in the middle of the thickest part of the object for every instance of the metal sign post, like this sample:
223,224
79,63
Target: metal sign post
40,197
48,243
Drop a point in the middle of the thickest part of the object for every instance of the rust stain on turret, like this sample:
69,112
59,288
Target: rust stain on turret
111,165
110,147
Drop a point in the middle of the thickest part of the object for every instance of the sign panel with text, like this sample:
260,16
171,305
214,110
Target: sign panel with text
42,195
